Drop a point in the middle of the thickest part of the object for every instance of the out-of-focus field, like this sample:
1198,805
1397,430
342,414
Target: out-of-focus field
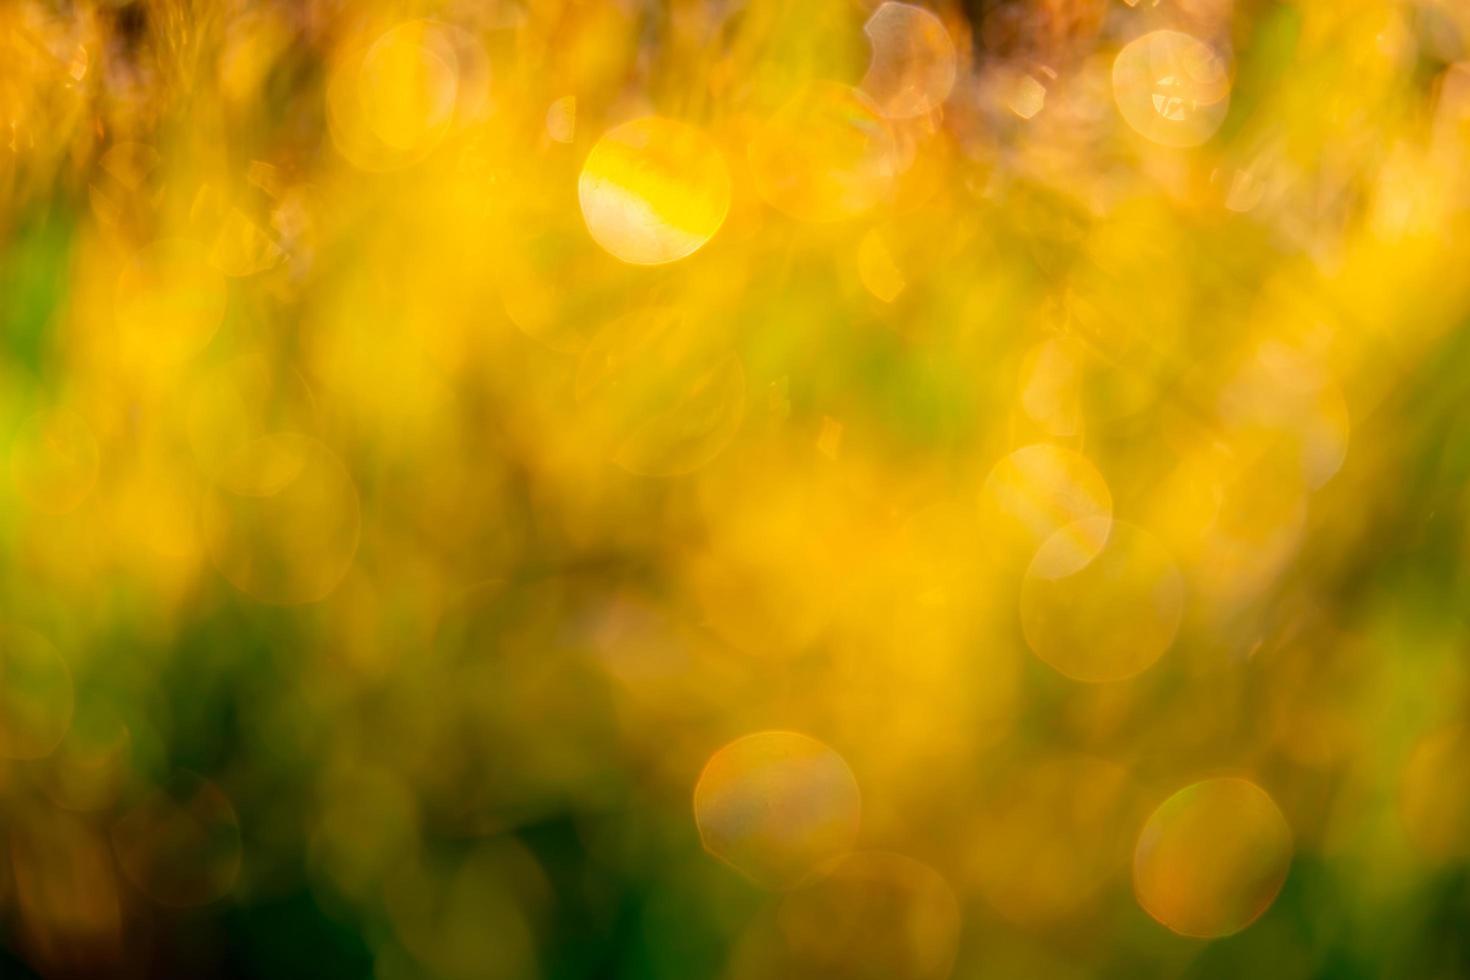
739,489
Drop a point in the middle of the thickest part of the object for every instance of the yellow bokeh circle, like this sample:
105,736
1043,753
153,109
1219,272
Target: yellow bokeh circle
779,807
913,67
1104,617
1039,491
391,101
654,190
1172,88
1212,858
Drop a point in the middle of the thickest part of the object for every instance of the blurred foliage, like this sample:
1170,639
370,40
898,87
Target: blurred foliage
734,488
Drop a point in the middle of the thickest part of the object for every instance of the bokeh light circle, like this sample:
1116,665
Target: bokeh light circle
1104,617
1042,490
913,65
654,190
409,81
1212,858
391,101
777,806
1172,88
